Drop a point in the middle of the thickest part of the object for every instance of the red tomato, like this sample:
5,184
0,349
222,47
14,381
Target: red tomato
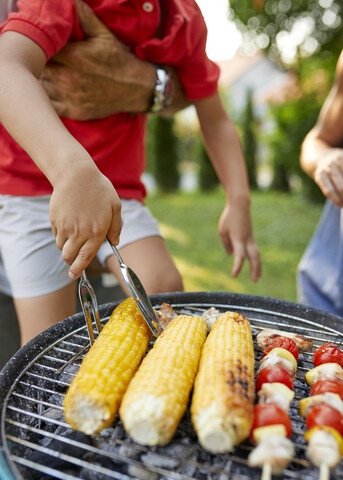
283,342
270,414
323,385
325,415
274,374
328,353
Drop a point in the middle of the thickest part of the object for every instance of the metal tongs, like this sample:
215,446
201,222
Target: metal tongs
90,306
90,309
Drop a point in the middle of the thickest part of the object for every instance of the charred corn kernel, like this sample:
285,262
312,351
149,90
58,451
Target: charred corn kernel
261,432
158,394
93,397
222,404
282,352
336,435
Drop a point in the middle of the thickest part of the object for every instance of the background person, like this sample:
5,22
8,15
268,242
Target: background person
320,272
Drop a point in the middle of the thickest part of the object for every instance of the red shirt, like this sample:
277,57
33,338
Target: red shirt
116,143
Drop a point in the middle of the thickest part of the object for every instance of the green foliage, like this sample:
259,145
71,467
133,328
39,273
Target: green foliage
283,226
293,120
263,22
249,140
208,179
165,154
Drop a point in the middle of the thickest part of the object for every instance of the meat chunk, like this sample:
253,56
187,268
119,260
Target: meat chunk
323,449
165,314
273,360
210,316
276,450
276,393
267,335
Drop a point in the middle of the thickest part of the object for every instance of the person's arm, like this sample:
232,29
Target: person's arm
224,149
99,76
81,217
322,150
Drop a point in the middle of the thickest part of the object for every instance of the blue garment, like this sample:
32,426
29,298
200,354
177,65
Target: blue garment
320,272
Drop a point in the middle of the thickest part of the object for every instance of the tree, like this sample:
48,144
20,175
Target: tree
166,155
293,121
208,178
290,30
249,140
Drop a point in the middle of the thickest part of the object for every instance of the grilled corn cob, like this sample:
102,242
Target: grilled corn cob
93,397
157,396
222,404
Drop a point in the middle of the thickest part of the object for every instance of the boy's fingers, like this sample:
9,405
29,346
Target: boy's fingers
238,259
254,262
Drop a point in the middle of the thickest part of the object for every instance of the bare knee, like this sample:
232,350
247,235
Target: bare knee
164,282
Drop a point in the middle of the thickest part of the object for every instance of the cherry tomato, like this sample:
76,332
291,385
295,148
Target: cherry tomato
324,385
325,415
274,374
328,353
283,342
270,414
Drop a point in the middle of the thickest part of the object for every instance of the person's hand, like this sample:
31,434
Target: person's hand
329,175
235,230
84,209
98,76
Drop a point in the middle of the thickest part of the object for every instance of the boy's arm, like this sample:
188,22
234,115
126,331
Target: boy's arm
224,149
81,217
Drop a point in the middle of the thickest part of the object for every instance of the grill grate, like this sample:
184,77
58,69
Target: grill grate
39,444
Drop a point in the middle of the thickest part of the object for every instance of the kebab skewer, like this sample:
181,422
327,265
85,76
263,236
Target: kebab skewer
272,425
323,409
274,386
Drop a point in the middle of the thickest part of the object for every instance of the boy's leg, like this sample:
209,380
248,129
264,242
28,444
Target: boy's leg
144,250
152,263
39,313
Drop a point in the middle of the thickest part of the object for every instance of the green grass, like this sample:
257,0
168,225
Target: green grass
283,225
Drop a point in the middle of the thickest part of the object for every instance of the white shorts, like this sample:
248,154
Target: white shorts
30,262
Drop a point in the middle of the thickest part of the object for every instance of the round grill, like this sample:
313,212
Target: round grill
37,443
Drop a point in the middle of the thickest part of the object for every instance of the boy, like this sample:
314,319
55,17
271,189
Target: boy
83,168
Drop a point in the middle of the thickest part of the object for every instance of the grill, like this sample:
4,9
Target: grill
37,443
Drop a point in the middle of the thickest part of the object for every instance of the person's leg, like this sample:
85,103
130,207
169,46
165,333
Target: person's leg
36,314
144,251
152,263
9,329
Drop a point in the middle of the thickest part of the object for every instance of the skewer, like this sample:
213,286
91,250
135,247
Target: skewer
267,472
324,471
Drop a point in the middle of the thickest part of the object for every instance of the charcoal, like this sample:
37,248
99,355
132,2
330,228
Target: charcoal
162,461
140,473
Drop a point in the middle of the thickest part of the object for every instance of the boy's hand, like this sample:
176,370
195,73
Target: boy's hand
235,230
84,209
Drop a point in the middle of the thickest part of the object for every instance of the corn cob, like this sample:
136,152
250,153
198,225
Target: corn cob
157,396
93,397
222,404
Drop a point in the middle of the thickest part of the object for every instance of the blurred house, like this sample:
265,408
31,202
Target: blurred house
258,74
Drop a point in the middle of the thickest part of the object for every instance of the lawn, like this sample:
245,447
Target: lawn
283,225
